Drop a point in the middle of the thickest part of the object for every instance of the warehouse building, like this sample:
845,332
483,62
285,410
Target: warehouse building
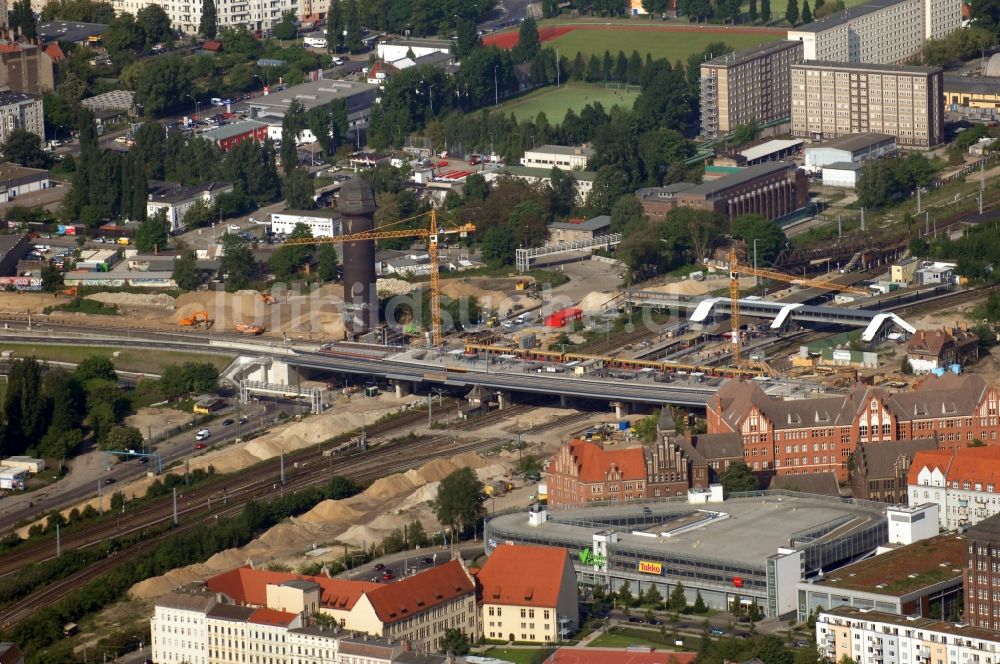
750,550
851,148
323,222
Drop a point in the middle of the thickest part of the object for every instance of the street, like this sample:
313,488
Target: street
76,487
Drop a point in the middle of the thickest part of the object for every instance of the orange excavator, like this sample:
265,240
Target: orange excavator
69,292
196,318
266,298
243,328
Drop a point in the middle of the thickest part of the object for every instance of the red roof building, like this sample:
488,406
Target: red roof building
528,593
583,472
964,482
381,72
397,610
798,436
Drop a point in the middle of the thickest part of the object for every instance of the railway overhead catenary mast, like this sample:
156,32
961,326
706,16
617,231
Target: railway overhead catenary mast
431,233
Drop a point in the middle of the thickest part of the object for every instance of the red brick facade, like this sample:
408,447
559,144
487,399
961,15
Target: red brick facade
820,435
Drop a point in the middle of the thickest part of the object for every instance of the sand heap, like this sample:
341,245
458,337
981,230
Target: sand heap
388,504
596,301
319,312
157,300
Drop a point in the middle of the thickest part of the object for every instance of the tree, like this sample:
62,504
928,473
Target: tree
326,262
625,595
25,148
454,642
738,478
95,367
292,125
299,190
792,12
22,19
678,602
699,604
152,233
285,29
186,274
765,10
52,278
745,133
237,265
498,245
163,83
122,438
335,27
341,487
753,10
528,42
610,184
807,16
208,27
735,605
154,23
652,598
655,7
770,239
352,23
457,505
769,649
468,37
416,536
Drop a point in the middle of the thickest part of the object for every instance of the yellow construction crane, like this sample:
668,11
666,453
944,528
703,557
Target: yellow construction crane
735,270
431,234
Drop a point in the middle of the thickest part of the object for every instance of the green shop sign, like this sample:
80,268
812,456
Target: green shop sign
588,557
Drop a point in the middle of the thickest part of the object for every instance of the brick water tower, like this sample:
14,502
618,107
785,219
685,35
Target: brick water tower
356,204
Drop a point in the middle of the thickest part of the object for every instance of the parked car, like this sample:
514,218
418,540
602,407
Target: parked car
234,227
388,575
379,567
716,631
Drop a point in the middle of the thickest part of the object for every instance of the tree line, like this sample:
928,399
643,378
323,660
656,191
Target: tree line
50,412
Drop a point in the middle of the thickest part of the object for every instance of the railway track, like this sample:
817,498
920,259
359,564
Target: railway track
220,487
557,423
491,418
363,467
602,346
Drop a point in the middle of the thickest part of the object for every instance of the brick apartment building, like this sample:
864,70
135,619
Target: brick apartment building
928,350
982,583
820,435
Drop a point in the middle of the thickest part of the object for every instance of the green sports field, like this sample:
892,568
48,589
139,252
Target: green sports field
671,45
555,102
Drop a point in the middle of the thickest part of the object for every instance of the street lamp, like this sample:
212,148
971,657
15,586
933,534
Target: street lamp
196,105
496,89
262,81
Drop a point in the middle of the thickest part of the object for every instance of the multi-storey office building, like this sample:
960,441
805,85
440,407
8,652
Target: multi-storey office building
747,86
878,32
831,99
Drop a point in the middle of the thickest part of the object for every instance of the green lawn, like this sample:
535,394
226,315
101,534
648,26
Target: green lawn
145,361
555,102
618,637
516,655
671,45
778,7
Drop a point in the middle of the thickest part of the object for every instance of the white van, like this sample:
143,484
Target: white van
315,42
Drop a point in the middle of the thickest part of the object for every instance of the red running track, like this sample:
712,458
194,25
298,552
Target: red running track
509,38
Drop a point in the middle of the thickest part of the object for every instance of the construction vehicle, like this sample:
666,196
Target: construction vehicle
72,291
432,234
736,269
243,328
492,321
194,319
266,298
